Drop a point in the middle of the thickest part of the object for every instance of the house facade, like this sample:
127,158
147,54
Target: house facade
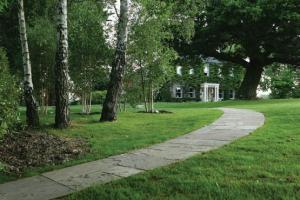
209,82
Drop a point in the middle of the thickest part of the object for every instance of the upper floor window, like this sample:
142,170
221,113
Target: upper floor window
231,73
206,70
179,70
191,71
220,72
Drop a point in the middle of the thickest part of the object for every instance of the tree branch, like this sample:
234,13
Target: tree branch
295,61
116,10
227,57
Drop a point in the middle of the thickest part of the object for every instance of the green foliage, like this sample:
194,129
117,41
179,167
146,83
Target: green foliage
9,96
42,45
98,97
3,4
296,91
89,52
265,32
282,80
150,57
2,167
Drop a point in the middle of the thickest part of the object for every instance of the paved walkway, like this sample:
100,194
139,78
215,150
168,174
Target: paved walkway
234,123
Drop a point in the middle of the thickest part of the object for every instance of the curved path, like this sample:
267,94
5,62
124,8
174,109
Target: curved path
233,124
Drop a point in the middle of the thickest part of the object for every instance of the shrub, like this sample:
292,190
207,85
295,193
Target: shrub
296,92
9,96
98,97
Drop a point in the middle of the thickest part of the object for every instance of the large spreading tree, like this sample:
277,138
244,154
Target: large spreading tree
250,33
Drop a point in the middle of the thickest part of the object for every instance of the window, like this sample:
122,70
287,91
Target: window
231,72
191,72
192,92
179,70
231,94
221,95
220,72
178,92
206,70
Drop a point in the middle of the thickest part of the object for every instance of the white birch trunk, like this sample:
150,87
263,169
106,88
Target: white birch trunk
109,111
61,68
31,104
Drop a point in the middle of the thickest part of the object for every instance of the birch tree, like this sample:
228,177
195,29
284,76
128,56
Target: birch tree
62,119
148,51
32,116
87,60
118,66
42,44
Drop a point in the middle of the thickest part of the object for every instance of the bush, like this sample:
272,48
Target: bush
3,167
98,97
9,96
296,92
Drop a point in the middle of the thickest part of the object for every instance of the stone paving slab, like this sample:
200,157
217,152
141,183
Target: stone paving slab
37,187
141,161
233,124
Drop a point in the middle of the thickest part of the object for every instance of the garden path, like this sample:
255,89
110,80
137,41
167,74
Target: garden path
233,124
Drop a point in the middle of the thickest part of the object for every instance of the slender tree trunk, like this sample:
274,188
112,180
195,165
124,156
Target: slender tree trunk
143,88
148,98
46,101
62,119
152,97
118,66
124,104
90,103
83,103
250,82
32,115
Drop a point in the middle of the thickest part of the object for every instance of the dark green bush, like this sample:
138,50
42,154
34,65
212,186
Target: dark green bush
9,96
296,92
98,97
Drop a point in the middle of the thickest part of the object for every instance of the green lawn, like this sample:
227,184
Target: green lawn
132,131
263,165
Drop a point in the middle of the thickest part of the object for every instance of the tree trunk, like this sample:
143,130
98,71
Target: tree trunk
118,66
61,69
46,102
124,104
32,116
143,89
151,97
90,103
83,103
250,82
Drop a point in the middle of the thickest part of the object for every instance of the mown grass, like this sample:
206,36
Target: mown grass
263,165
132,130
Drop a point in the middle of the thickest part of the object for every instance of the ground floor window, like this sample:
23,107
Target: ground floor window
192,92
221,95
178,92
231,94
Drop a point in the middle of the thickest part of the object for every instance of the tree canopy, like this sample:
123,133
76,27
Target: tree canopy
253,34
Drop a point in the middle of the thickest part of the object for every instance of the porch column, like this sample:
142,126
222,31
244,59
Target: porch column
217,93
205,93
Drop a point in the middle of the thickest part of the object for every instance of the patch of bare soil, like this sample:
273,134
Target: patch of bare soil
31,149
157,112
